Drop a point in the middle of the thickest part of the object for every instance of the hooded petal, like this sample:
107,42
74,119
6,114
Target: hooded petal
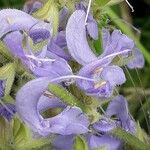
104,141
137,61
13,19
76,39
70,121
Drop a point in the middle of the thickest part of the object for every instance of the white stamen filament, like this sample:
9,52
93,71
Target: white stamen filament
130,5
72,77
40,59
88,10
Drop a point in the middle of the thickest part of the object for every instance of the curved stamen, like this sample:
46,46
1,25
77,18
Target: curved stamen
71,77
40,59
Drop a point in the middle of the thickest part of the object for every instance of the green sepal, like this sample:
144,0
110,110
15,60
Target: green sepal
7,73
80,143
50,13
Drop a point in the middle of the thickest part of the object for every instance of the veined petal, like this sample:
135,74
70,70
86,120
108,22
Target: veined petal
137,61
76,39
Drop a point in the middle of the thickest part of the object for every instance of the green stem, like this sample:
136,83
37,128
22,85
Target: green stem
130,139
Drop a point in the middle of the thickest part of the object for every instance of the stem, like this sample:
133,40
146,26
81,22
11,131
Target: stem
130,139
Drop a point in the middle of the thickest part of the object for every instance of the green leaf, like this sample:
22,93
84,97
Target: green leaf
130,139
7,73
5,135
80,144
50,13
64,95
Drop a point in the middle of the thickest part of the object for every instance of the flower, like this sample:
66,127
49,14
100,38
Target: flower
70,121
2,88
107,76
118,107
41,64
31,7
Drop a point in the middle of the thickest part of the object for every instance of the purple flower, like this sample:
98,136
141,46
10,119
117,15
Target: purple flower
30,7
119,108
41,64
104,141
16,20
70,121
2,88
58,44
7,110
137,61
106,75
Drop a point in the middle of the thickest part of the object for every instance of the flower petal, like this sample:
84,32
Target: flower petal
114,75
63,142
116,42
70,121
105,140
137,61
16,20
76,39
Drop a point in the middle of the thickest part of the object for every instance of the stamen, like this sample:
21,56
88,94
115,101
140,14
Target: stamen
40,59
98,70
71,77
99,84
130,5
88,10
9,20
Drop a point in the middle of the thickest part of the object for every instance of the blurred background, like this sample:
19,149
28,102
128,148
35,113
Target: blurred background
140,19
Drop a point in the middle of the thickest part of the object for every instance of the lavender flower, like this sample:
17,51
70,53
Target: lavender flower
119,108
2,88
106,76
16,20
30,7
70,121
43,64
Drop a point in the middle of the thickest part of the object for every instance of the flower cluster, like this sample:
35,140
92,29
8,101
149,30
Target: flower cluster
98,76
